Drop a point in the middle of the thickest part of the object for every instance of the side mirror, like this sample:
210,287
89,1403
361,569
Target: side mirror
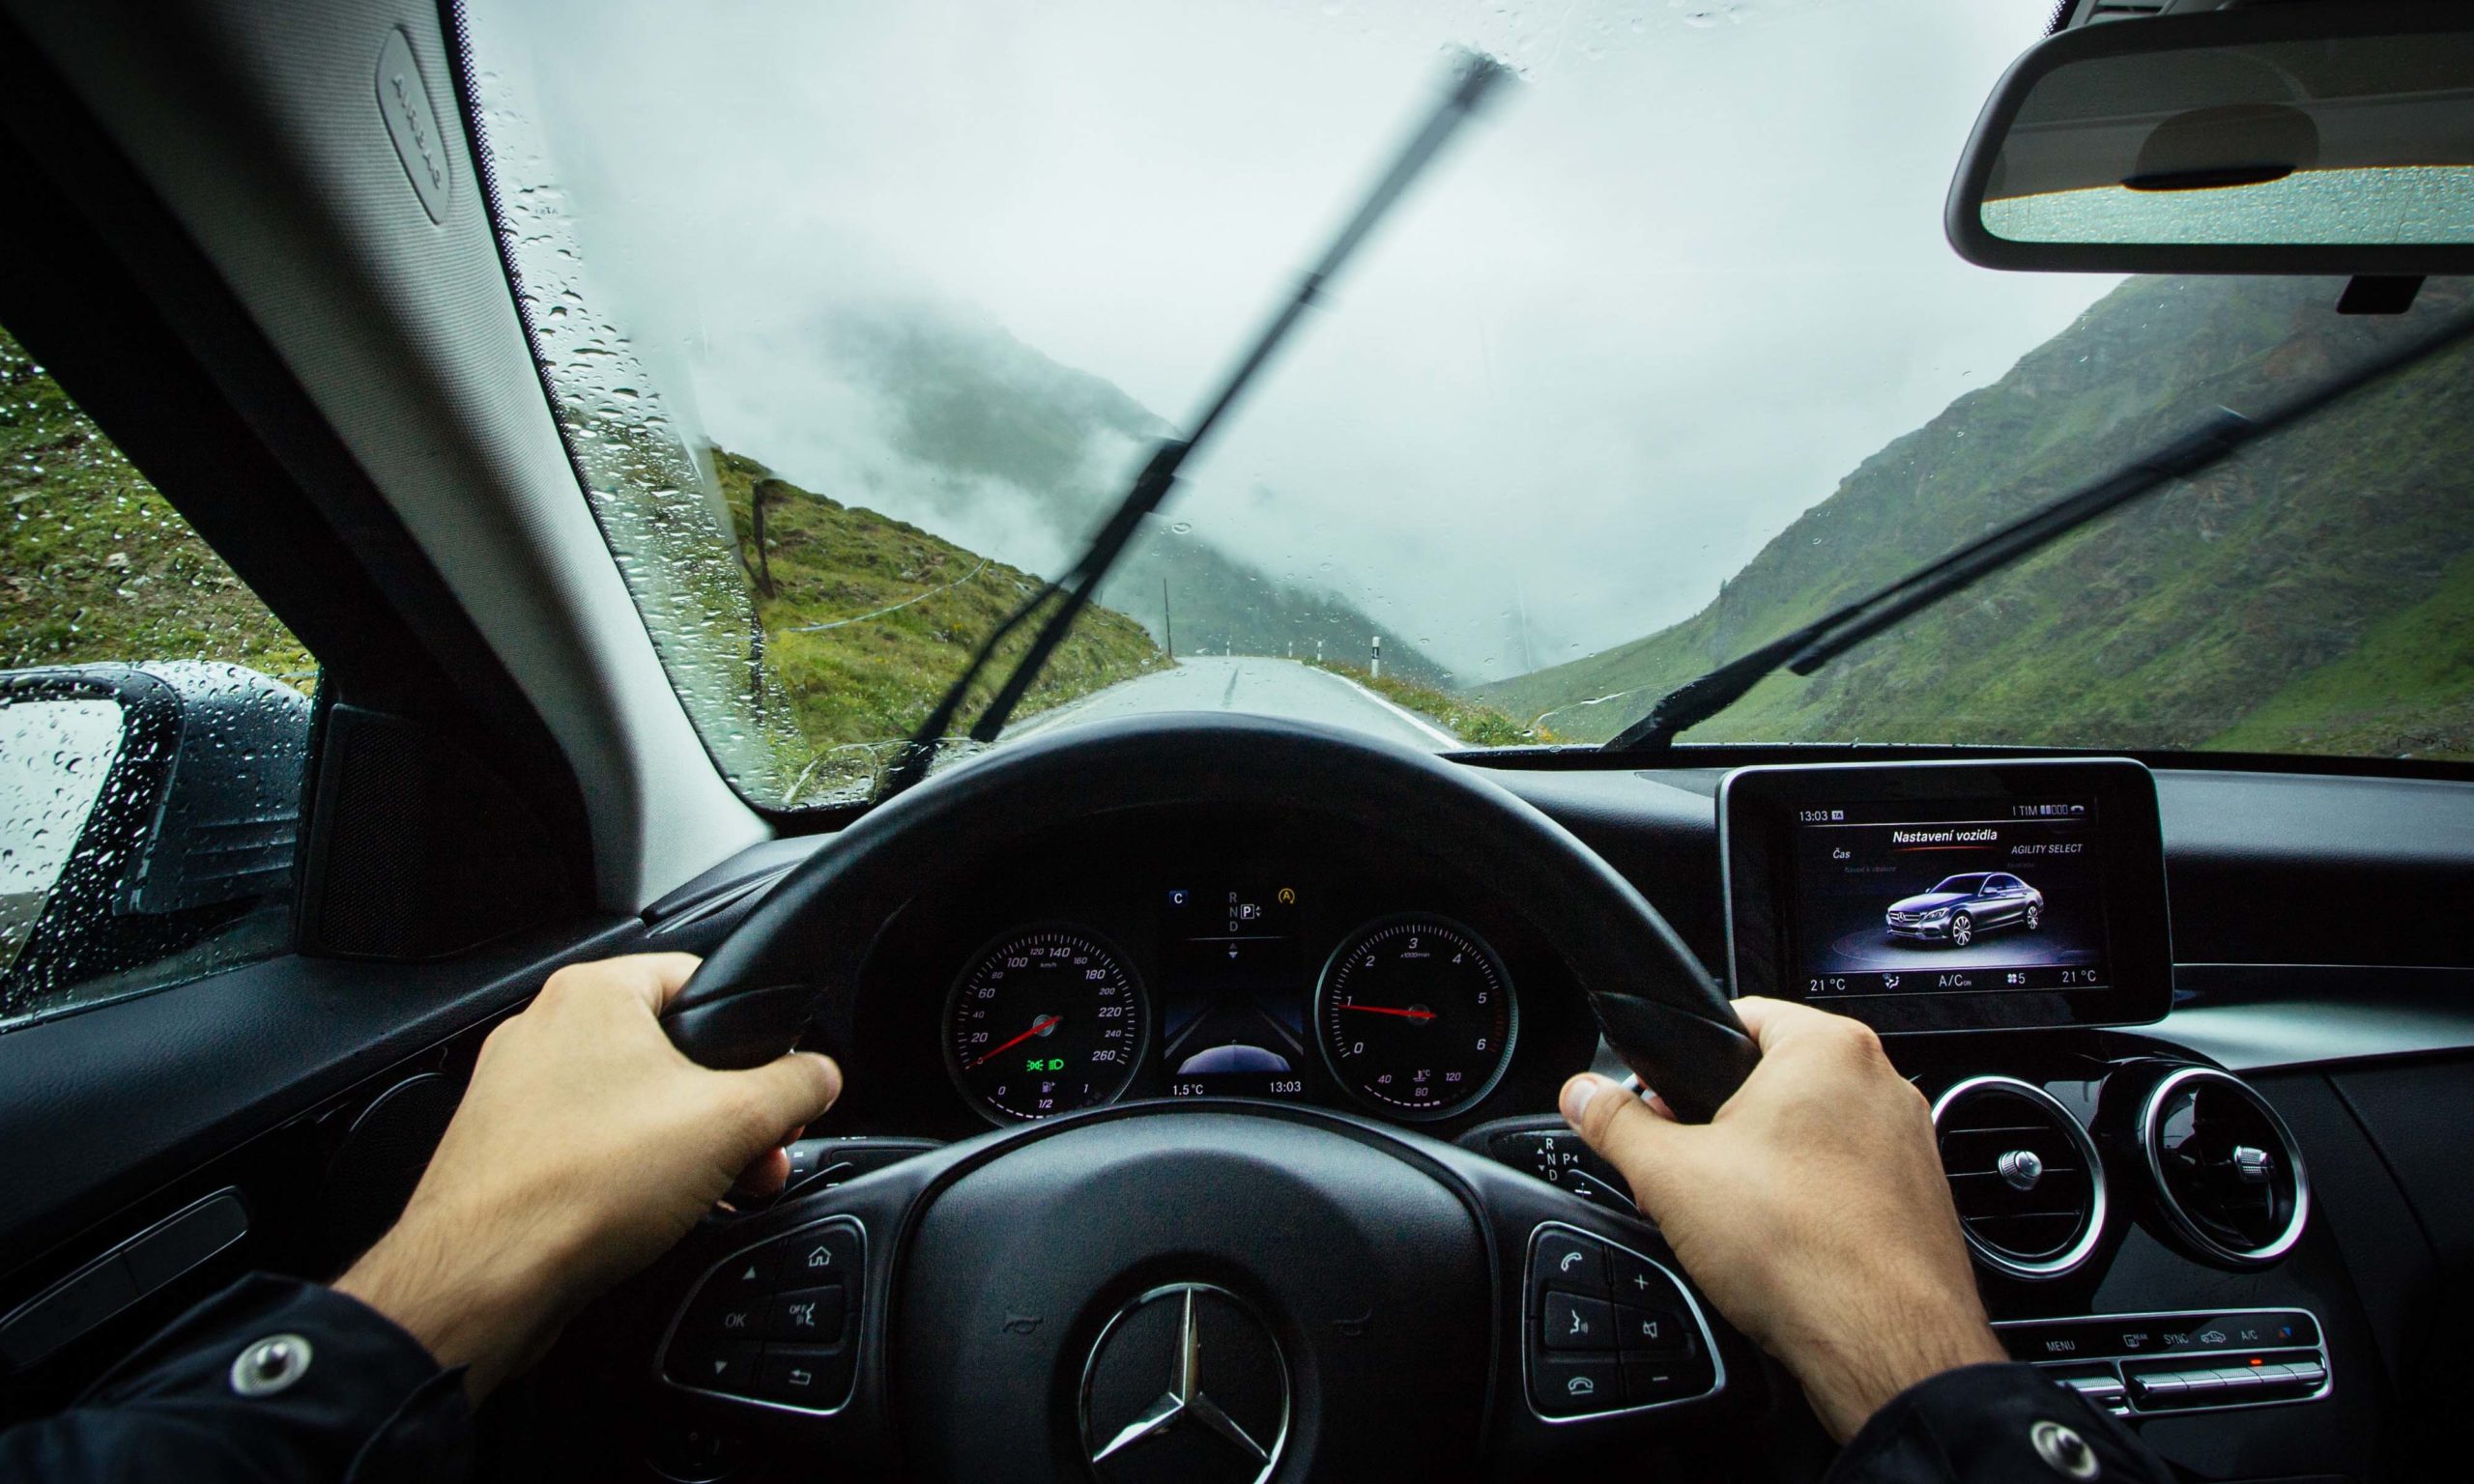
2320,138
149,809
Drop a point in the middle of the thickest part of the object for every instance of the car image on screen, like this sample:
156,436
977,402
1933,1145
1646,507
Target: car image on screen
1962,906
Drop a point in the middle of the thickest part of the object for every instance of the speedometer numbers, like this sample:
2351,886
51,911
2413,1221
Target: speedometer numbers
1416,1016
1043,1020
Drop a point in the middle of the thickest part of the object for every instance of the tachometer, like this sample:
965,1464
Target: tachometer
1416,1016
1043,1020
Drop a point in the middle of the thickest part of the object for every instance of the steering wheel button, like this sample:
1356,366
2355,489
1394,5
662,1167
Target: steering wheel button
819,1257
1651,1331
813,1315
728,1367
1564,1386
804,1376
1635,1282
724,1316
750,1273
1646,1383
1571,1261
1576,1322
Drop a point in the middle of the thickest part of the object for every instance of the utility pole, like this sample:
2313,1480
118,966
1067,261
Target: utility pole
1168,620
1376,673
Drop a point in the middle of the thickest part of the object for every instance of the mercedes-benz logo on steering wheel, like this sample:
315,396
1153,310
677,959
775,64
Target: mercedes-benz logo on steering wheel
1135,1431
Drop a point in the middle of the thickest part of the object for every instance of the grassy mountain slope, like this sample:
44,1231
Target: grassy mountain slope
868,677
2403,689
94,565
969,403
2308,595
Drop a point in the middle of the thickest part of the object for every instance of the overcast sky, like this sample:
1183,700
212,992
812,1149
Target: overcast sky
1673,287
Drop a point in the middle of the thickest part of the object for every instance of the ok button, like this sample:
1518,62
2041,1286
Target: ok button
1574,1322
811,1314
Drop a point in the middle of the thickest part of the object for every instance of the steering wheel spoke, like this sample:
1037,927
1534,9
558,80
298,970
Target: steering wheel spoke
1605,1348
775,1321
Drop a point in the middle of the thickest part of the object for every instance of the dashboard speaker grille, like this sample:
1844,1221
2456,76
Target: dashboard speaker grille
2023,1174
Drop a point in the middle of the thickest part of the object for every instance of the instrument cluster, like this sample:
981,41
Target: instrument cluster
1279,970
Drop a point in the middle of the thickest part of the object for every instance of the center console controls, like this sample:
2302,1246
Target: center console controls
2141,1364
777,1324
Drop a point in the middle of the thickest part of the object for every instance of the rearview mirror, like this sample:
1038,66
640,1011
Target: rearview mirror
149,808
2322,138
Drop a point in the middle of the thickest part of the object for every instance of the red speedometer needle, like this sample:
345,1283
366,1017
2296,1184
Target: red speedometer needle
1037,1026
1386,1009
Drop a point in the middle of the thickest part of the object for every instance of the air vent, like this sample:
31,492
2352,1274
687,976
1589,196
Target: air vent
2029,1188
2229,1177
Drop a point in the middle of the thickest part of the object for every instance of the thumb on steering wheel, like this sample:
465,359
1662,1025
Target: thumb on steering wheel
1639,1137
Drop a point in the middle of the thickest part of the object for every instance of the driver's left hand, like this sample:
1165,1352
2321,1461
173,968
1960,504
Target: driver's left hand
586,1147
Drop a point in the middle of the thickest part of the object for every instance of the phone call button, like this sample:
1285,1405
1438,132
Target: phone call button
1568,1261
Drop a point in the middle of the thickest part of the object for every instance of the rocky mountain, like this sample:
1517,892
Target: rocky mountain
2315,593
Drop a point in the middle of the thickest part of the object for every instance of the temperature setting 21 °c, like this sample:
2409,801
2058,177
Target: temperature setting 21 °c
1416,1016
1045,1020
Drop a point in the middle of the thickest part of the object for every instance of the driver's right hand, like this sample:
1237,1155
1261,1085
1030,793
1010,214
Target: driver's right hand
1812,1210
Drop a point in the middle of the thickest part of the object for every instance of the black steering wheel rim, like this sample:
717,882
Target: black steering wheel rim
790,971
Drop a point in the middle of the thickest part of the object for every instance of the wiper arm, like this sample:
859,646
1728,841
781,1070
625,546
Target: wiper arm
1475,75
1809,648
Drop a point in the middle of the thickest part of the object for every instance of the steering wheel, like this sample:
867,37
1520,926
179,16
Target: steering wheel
1195,1290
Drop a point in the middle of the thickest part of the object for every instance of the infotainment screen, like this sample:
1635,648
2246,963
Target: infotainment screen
1950,895
1980,893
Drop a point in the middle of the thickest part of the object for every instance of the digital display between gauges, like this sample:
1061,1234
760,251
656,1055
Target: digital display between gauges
1416,1016
1045,1020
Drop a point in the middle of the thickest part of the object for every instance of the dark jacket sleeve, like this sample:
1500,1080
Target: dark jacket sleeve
341,1394
1993,1424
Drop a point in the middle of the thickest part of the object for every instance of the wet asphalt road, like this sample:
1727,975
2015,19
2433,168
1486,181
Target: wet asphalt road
1263,685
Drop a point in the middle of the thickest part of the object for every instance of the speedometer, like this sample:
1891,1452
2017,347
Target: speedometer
1043,1020
1416,1016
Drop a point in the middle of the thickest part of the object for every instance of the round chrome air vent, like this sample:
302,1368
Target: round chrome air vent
2229,1175
2023,1174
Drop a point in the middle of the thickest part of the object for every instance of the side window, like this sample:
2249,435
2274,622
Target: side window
153,727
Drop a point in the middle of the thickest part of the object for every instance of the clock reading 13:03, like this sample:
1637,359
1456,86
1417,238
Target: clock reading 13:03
1045,1020
1416,1016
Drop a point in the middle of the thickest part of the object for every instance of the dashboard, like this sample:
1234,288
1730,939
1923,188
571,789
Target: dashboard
1183,955
2295,1317
2142,1220
1144,956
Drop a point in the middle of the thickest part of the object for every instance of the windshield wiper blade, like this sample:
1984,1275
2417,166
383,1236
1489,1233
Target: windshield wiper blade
1809,648
1475,75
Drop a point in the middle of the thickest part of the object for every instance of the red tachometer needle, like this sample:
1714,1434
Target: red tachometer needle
1037,1026
1386,1009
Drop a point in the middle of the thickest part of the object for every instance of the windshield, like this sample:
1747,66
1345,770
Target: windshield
860,319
